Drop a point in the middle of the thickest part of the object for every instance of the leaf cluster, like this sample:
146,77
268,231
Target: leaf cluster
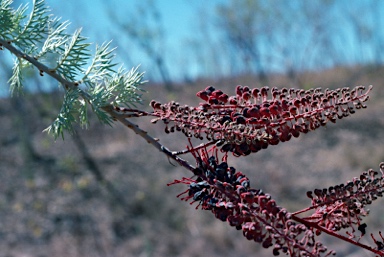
88,79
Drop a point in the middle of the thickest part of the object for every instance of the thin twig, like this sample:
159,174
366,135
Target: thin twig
121,117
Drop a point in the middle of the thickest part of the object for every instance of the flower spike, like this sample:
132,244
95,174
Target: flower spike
254,119
227,193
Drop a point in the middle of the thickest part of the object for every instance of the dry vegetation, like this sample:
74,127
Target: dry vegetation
53,201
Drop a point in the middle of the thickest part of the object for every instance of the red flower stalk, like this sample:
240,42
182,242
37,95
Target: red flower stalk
253,119
228,195
343,206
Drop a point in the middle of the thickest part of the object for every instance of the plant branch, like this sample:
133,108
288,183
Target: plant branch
121,117
242,124
110,109
40,66
331,233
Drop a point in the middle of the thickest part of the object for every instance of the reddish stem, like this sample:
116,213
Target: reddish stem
331,233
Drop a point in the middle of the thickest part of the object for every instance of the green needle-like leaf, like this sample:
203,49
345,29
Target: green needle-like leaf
42,41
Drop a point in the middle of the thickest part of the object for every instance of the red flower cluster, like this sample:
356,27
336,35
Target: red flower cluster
227,194
252,120
255,118
343,205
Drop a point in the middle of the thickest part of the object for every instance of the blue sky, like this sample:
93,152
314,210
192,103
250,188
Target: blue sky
91,14
179,18
182,21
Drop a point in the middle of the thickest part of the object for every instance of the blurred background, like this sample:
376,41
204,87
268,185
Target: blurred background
103,192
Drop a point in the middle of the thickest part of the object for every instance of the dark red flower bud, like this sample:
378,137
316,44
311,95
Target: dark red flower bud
217,93
223,98
232,100
246,96
203,95
239,90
